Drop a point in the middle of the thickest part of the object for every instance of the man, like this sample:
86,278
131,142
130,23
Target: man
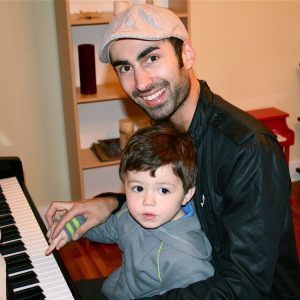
243,184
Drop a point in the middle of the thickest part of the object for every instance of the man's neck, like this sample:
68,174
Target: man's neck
183,116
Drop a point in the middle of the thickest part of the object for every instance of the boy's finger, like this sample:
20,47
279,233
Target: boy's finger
61,244
49,249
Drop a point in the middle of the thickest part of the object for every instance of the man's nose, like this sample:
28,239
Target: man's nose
142,79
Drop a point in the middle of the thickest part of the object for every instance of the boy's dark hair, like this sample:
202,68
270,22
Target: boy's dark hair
162,144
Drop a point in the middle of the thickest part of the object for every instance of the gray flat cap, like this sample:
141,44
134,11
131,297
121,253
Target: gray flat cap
144,22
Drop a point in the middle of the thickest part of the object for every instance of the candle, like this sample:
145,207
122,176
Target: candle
126,128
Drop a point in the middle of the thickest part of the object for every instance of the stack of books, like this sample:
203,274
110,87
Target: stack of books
107,150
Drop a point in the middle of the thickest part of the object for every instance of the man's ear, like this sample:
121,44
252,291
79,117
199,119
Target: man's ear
188,196
188,54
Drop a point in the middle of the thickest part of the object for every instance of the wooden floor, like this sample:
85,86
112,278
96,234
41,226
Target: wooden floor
87,260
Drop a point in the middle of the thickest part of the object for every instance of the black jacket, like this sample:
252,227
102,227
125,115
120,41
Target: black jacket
242,200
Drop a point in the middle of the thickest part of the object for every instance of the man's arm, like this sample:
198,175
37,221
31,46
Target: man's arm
96,211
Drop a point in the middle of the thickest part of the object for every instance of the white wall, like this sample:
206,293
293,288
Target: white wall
31,112
249,52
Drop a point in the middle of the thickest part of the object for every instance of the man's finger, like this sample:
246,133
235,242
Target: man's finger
64,220
54,207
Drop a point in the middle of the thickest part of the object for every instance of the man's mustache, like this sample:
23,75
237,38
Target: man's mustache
161,84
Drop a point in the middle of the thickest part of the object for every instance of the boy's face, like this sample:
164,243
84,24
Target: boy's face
149,73
154,201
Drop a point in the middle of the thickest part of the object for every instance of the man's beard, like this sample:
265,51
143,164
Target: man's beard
177,96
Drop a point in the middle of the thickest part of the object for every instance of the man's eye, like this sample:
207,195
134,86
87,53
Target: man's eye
125,69
137,189
164,191
152,58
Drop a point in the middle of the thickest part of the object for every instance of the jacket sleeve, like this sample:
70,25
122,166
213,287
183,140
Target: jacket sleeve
255,195
104,233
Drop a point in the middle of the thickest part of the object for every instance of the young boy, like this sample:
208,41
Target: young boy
157,229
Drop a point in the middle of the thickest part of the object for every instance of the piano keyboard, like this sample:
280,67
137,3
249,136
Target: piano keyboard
23,246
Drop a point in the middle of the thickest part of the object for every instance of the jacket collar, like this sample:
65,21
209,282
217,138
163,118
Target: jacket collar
202,113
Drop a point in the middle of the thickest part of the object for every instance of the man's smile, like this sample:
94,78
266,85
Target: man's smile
154,96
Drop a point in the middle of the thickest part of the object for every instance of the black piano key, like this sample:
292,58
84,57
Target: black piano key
10,233
23,279
31,293
6,220
2,197
12,247
16,257
18,262
9,291
18,267
3,204
4,208
37,297
11,228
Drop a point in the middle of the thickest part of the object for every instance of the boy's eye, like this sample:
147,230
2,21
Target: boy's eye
137,189
164,191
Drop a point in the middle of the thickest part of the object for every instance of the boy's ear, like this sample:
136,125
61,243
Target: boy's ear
188,196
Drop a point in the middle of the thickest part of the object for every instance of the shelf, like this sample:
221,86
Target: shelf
91,161
101,18
180,14
104,18
112,91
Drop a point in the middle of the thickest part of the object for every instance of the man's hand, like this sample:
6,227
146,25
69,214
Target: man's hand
96,211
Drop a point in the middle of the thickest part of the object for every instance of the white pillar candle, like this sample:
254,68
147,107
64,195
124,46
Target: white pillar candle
126,128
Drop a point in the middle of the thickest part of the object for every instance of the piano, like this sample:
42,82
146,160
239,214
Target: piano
30,274
275,120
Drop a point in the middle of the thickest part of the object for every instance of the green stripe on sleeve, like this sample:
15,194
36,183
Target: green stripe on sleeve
158,261
70,229
76,223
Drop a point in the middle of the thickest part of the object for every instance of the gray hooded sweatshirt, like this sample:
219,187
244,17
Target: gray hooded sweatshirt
153,260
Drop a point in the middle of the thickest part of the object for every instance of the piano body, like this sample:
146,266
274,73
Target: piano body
275,120
30,274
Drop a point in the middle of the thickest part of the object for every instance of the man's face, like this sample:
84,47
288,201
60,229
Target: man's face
149,73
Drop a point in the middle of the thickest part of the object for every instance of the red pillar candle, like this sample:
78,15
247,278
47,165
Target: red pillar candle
87,69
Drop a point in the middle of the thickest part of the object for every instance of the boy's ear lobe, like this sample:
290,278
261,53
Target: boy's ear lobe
188,54
188,196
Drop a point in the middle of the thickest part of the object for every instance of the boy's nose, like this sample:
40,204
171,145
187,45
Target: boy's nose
149,200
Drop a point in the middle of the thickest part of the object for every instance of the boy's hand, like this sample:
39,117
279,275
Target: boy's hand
58,242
